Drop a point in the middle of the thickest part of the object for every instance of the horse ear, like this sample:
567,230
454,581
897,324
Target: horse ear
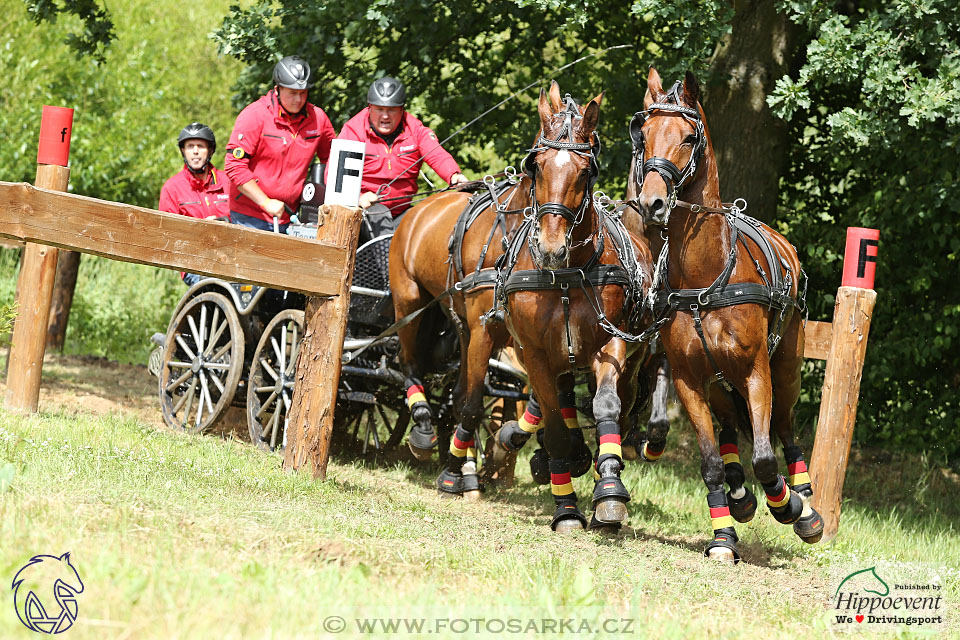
654,85
65,557
591,115
544,108
691,90
555,100
599,98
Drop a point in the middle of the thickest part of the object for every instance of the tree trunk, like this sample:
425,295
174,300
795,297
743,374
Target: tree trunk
63,288
750,143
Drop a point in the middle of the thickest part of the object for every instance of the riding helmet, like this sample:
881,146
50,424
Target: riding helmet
199,131
387,92
292,72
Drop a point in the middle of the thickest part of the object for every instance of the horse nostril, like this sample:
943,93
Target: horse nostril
656,206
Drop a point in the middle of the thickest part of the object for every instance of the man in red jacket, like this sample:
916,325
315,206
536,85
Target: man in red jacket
199,190
271,147
397,144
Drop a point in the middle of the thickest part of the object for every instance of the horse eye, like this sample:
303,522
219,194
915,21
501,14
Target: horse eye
690,139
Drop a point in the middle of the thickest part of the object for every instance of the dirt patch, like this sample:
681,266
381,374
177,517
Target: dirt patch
91,384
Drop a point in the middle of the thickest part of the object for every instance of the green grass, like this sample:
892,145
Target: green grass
179,536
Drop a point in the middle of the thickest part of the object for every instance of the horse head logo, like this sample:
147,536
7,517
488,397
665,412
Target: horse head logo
870,578
45,593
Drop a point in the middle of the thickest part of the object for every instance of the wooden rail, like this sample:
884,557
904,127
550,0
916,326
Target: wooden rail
136,234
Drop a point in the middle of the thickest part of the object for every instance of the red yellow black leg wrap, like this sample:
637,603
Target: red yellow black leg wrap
784,504
651,451
724,534
415,394
797,469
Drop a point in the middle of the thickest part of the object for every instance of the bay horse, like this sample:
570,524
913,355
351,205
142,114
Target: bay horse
572,284
729,305
450,240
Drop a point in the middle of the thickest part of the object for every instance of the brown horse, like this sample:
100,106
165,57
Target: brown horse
433,249
728,297
573,285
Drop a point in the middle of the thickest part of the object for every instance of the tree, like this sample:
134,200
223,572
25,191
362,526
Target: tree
462,57
875,126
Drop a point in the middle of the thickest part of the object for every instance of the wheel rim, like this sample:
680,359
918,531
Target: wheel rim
271,381
201,363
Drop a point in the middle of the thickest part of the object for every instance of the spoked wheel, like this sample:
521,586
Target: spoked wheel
370,421
270,385
201,364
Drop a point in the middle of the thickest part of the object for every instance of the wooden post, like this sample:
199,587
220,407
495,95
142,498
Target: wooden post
35,285
68,265
318,365
39,270
852,313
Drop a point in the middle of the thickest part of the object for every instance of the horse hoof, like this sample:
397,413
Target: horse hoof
472,496
603,529
722,555
447,495
568,525
610,511
809,528
420,454
628,452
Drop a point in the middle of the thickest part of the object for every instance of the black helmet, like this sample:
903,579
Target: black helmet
387,92
292,72
199,131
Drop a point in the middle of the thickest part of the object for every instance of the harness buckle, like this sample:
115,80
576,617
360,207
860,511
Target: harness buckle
700,298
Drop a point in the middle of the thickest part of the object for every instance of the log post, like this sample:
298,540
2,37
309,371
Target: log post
852,313
318,366
38,272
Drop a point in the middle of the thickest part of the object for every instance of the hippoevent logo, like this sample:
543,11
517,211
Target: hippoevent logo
45,594
865,599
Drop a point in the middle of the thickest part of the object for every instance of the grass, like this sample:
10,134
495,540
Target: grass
177,536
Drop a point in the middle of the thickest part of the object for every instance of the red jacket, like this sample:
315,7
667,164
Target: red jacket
415,144
275,149
188,195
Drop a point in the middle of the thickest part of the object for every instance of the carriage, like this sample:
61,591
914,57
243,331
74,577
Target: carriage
230,344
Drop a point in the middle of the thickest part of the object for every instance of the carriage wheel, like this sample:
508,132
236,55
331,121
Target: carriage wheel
370,422
271,380
201,363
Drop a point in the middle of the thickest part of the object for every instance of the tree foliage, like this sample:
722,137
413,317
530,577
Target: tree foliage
461,57
97,32
875,112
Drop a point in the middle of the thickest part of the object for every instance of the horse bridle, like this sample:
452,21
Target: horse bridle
672,175
584,149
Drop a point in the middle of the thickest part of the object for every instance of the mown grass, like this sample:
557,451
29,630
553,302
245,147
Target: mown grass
178,536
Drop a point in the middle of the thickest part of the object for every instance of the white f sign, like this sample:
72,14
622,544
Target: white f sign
344,173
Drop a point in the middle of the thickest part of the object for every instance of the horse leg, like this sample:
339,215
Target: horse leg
460,475
610,497
658,426
567,516
731,413
784,504
723,547
407,298
581,457
785,368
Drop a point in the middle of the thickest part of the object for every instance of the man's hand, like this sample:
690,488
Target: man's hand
458,178
367,199
273,207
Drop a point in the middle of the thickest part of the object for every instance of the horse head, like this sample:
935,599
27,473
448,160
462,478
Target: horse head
670,137
562,166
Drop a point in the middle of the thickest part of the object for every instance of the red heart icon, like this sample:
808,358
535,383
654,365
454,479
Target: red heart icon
859,618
